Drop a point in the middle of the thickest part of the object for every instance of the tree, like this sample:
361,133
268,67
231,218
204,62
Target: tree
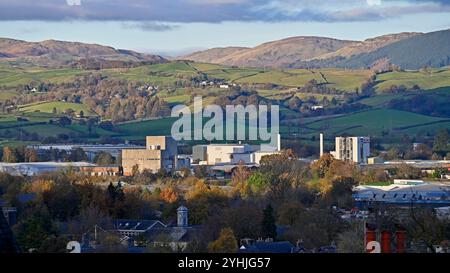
169,195
135,170
9,155
111,243
269,228
104,158
257,181
240,174
200,171
32,232
64,121
226,243
442,142
31,155
322,166
54,244
352,240
78,155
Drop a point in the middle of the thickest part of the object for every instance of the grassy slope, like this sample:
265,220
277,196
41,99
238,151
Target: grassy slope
47,107
437,78
373,122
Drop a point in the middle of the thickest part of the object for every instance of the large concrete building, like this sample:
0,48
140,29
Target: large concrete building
222,154
352,149
160,153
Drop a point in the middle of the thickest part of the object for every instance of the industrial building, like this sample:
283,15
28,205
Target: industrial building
403,193
232,154
160,153
36,168
90,150
352,149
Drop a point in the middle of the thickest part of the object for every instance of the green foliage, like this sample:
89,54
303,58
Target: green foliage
442,142
104,158
33,232
258,181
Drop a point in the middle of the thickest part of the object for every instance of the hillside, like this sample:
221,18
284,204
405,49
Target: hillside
57,53
213,54
431,49
409,50
277,54
368,45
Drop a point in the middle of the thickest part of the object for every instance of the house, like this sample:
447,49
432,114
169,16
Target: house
266,246
157,233
224,86
316,107
127,227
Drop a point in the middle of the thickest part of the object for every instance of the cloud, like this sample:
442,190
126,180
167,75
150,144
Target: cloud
150,26
215,11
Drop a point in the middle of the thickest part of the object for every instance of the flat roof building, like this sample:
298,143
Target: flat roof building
352,149
160,153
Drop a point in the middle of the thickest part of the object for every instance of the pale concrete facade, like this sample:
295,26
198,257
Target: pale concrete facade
352,149
223,153
217,154
160,153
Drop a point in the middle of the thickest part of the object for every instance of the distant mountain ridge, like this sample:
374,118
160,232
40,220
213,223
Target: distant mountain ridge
279,53
369,45
214,54
430,49
409,50
53,52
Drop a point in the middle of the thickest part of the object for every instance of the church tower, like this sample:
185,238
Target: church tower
182,217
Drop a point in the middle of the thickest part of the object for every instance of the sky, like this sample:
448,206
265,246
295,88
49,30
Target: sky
176,27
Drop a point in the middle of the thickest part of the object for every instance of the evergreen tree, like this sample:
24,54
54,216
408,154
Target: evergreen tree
269,228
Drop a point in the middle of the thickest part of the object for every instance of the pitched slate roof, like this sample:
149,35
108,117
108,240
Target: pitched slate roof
137,225
273,247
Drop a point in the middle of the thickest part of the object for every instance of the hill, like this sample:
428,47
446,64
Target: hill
57,53
431,49
277,54
368,45
213,54
296,52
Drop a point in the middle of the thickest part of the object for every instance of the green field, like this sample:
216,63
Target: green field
48,107
7,95
345,80
434,79
375,122
13,76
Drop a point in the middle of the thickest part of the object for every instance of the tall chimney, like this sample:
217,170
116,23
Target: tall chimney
385,241
279,142
401,241
321,144
370,237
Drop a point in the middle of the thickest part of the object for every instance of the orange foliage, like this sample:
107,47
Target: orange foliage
169,195
42,185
